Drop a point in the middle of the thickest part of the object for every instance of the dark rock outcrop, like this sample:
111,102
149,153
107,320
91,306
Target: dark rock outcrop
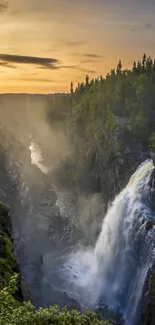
147,315
147,306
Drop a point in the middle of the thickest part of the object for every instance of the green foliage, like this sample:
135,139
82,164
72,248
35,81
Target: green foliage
8,264
15,313
7,260
90,113
3,210
4,219
152,140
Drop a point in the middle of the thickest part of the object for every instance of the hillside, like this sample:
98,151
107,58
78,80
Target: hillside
110,122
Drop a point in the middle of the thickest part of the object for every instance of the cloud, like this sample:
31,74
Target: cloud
7,65
15,12
64,44
145,26
73,67
133,30
49,67
89,56
148,26
72,43
46,63
92,56
11,61
87,70
38,80
87,61
76,67
3,6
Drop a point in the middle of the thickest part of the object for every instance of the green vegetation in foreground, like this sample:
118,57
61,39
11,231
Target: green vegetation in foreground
8,263
13,312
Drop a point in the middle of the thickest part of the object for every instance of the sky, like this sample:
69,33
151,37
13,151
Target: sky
46,44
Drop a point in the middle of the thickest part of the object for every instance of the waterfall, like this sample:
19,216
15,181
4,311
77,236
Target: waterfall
115,270
36,157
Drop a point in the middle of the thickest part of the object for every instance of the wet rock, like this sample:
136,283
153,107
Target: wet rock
147,308
149,225
152,154
147,314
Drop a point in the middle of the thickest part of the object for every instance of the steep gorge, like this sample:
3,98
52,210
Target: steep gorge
51,221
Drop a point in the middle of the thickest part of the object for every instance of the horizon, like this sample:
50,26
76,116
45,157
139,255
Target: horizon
75,85
47,44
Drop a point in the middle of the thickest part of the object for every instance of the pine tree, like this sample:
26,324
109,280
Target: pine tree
71,89
149,64
144,62
134,69
139,67
119,67
112,72
87,80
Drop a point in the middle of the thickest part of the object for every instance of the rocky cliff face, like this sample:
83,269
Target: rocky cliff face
105,169
41,233
147,314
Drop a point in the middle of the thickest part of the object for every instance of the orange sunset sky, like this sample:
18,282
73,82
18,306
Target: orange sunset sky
44,44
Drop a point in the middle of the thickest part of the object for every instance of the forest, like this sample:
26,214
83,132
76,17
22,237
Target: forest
128,94
104,114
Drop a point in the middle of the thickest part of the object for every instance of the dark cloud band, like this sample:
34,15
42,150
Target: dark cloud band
48,63
11,61
92,56
7,65
38,80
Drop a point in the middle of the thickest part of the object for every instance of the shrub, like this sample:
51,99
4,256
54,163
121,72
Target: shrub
13,312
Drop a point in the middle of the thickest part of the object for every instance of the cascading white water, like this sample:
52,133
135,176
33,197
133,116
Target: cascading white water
114,271
63,197
36,157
